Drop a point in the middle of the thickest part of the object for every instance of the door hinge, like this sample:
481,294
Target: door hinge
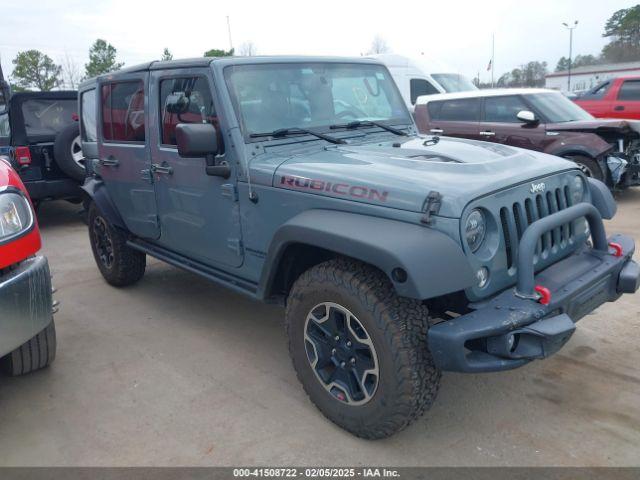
146,175
235,244
431,206
230,191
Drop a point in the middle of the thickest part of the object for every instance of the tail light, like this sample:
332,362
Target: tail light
23,156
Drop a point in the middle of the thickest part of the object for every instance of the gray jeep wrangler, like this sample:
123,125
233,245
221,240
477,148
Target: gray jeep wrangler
303,181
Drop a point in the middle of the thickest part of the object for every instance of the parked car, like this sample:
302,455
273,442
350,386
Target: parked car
27,330
302,181
39,133
615,98
416,77
541,120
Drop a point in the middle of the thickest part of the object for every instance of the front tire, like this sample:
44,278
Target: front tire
342,302
589,166
119,264
36,353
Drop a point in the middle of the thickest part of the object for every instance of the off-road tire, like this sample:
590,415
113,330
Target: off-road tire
589,166
62,152
128,265
408,380
34,354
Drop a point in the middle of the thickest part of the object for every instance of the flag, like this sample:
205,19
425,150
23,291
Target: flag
489,66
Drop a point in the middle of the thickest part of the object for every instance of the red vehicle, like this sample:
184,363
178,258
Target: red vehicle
27,331
615,98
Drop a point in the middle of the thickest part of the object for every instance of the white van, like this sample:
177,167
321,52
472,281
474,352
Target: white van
416,77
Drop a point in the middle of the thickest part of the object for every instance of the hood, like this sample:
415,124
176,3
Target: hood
401,175
597,125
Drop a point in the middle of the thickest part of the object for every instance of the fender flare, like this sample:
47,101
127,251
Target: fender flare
97,191
435,264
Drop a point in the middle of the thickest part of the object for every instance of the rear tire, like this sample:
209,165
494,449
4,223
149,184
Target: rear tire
67,151
387,332
119,264
34,354
589,166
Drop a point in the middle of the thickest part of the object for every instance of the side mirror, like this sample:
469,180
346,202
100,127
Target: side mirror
196,140
527,117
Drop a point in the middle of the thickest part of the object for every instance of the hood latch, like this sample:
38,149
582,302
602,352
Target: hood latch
431,206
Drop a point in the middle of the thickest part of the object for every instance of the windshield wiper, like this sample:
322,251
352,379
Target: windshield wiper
369,123
283,132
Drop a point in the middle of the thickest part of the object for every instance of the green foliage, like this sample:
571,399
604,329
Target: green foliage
35,70
579,61
216,52
530,75
166,55
102,59
623,27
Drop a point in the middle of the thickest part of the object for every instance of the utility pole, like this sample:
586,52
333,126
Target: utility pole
229,30
570,28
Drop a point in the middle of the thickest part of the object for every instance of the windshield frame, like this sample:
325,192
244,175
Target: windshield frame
544,114
323,129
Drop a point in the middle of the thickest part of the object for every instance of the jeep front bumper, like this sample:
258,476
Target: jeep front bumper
518,326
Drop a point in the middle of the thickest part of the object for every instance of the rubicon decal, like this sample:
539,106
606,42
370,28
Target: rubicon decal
337,188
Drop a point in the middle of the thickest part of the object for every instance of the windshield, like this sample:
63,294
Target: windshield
453,82
312,95
557,108
47,117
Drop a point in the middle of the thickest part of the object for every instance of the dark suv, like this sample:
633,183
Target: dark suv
542,120
39,133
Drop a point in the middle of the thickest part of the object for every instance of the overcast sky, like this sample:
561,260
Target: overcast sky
457,32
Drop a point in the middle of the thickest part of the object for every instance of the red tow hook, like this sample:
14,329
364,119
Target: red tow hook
545,294
617,249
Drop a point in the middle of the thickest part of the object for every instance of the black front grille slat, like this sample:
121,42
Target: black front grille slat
516,217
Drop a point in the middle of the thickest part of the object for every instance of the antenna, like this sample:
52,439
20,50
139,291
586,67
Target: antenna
229,30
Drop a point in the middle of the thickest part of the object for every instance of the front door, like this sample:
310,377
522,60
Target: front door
123,152
199,214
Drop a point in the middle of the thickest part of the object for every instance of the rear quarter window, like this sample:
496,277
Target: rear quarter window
458,110
88,116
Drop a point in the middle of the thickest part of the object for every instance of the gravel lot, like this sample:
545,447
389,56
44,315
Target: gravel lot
177,371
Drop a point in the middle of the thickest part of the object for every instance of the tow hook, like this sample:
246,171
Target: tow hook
617,249
544,293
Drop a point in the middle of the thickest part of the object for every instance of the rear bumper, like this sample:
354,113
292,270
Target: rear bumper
53,189
514,328
25,302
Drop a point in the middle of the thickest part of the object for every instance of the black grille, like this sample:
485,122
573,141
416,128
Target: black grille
517,217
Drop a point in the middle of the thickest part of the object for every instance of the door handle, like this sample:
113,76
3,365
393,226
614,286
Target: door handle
618,108
109,162
488,134
436,130
163,169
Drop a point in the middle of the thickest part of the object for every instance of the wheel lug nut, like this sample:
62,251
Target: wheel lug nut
336,338
353,360
342,364
348,343
333,352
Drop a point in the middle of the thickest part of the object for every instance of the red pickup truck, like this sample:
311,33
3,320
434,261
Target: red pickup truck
615,98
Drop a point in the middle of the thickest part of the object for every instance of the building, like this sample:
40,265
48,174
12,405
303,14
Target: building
587,77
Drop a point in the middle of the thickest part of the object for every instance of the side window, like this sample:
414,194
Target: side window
503,109
88,115
123,111
185,100
459,110
5,130
598,92
630,90
420,86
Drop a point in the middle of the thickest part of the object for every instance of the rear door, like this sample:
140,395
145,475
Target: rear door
500,123
627,100
199,214
123,151
455,118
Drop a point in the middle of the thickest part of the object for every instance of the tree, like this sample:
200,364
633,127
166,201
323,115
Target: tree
378,45
70,72
166,55
247,49
579,61
623,28
215,52
34,69
102,59
562,65
529,75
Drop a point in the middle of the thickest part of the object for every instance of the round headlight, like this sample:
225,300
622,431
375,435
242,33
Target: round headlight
475,229
15,215
577,189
